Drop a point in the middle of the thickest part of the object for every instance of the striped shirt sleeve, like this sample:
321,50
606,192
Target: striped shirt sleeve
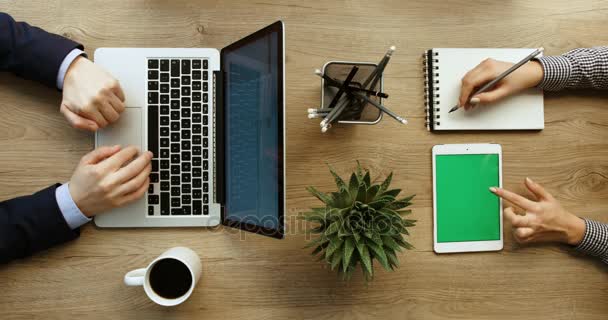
578,68
595,241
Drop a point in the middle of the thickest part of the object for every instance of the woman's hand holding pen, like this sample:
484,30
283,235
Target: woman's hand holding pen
527,76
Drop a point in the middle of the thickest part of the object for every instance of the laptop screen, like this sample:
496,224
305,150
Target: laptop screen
253,99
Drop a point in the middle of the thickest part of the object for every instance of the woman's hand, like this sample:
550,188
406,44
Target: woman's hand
527,76
544,220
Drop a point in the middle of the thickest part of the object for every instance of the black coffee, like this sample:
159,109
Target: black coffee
170,278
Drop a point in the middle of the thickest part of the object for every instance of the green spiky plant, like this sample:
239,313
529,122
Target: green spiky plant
359,223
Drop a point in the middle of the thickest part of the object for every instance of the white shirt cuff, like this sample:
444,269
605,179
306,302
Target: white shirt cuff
72,215
67,61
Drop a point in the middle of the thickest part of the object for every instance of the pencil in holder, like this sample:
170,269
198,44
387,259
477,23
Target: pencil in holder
356,111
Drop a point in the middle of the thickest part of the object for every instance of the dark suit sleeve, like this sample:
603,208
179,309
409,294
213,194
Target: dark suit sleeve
32,223
31,52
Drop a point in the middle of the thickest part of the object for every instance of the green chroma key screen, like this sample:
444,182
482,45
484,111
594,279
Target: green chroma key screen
466,209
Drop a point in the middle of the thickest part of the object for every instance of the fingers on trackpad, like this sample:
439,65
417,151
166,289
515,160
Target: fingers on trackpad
128,130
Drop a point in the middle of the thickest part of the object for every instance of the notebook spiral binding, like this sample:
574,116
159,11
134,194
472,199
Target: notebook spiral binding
430,67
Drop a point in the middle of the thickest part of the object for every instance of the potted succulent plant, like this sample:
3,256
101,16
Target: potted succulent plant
360,223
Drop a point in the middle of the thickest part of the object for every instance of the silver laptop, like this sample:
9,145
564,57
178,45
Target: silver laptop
215,122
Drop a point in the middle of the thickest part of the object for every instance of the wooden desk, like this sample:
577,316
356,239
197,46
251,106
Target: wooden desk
257,277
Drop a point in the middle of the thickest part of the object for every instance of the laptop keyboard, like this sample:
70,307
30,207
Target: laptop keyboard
179,126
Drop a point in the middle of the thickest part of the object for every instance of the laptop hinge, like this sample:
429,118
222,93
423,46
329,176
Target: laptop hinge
220,159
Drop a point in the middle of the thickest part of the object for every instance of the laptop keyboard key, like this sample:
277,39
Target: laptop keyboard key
197,208
164,164
165,186
152,98
152,64
205,210
152,85
197,194
185,66
185,91
164,121
164,88
185,134
164,153
164,131
164,77
196,64
153,199
205,64
186,123
175,68
196,172
152,75
164,142
164,65
187,210
196,161
164,175
153,129
164,203
175,191
186,177
185,80
185,102
164,109
175,83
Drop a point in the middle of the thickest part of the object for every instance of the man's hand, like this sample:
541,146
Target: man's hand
527,76
544,220
109,177
92,98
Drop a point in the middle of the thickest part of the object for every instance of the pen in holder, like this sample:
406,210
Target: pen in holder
352,93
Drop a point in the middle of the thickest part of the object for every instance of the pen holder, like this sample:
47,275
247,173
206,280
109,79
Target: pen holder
355,113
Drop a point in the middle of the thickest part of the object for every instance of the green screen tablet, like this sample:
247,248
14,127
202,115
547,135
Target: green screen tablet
465,209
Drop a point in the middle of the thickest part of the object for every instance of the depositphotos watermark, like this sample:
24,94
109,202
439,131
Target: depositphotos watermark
295,225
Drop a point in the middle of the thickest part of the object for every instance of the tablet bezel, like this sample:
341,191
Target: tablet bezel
466,246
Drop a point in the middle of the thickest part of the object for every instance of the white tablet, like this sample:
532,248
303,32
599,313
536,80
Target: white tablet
466,215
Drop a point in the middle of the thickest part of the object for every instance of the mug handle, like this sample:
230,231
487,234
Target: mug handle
135,277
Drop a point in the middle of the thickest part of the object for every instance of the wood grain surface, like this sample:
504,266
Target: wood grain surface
252,277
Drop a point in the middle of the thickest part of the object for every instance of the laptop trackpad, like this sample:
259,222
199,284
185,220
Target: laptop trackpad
125,132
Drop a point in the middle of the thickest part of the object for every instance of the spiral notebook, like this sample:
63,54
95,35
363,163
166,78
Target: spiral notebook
444,69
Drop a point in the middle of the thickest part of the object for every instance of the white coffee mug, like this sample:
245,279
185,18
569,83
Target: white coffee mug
165,280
